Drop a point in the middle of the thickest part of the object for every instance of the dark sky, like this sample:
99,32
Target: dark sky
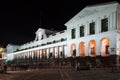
20,19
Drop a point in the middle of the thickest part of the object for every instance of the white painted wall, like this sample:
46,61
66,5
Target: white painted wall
106,12
51,38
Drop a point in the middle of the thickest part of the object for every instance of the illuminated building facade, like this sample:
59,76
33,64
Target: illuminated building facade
94,31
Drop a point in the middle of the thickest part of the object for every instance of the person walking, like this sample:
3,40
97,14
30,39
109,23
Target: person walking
5,67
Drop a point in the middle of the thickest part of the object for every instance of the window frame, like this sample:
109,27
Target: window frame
104,24
82,31
92,28
73,33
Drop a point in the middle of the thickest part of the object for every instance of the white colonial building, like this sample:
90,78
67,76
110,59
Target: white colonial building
94,31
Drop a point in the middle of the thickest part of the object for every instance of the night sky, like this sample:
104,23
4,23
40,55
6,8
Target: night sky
20,19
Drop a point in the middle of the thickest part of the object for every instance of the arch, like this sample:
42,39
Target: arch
104,47
82,48
92,48
44,56
73,50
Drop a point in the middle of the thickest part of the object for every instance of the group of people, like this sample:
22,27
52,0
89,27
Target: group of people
34,65
37,65
3,67
24,66
87,65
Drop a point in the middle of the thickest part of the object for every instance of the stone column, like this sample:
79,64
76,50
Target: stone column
47,52
37,54
32,55
86,29
65,51
98,26
63,56
86,48
110,22
21,55
28,55
56,52
98,48
77,32
40,53
114,20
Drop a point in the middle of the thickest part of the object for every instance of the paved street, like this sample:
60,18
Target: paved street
31,75
61,74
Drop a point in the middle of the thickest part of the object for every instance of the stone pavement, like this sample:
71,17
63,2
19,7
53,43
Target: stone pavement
93,75
61,74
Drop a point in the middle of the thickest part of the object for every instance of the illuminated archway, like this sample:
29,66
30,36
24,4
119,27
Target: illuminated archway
92,48
104,47
44,56
82,49
73,50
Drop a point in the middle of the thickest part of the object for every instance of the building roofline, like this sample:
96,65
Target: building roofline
101,4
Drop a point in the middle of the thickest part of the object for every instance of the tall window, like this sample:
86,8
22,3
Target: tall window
73,33
92,28
81,31
104,25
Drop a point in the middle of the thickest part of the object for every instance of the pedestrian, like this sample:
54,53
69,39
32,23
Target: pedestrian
88,65
5,67
77,66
